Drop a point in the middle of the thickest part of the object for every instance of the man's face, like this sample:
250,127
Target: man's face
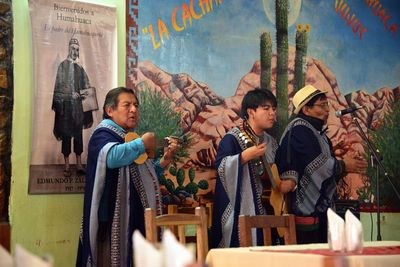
319,110
264,116
126,114
73,51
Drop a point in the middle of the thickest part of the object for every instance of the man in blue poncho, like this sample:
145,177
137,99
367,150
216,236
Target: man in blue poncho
117,189
308,166
238,187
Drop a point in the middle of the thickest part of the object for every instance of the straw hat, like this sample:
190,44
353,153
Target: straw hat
303,96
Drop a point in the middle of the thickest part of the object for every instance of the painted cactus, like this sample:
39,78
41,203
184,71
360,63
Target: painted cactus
281,8
265,56
191,187
300,61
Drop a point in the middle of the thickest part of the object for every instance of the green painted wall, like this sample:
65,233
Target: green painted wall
44,224
390,227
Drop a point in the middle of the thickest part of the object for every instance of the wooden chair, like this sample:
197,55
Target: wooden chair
266,222
174,209
199,219
5,235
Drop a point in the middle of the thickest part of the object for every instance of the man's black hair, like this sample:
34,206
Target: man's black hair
312,101
255,98
112,98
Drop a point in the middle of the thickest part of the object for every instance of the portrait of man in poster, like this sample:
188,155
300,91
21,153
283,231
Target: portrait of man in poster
70,82
70,117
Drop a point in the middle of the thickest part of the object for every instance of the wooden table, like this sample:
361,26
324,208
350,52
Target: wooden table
311,255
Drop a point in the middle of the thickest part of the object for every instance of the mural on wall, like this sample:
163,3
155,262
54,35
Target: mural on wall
6,105
203,56
74,62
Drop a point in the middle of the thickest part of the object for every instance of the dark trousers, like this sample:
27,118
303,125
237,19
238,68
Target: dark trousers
319,233
78,144
103,250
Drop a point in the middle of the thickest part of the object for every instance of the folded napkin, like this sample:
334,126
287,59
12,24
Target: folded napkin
175,254
145,254
354,233
171,253
336,236
25,258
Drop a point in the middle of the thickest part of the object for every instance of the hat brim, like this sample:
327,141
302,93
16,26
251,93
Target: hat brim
305,101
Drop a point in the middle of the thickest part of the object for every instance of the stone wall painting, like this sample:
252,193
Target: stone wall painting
203,56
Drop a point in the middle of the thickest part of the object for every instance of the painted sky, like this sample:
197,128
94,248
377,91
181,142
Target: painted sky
222,46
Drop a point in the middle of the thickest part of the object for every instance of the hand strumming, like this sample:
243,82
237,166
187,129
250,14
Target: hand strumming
149,141
354,163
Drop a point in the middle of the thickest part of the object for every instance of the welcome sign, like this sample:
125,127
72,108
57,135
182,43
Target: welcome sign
74,63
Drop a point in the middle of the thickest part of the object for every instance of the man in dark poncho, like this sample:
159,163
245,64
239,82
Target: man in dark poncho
308,166
117,189
70,120
238,186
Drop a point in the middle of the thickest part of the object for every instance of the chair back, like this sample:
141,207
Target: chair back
173,209
199,219
266,222
5,235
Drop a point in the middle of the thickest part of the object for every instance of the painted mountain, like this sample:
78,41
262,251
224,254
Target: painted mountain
209,117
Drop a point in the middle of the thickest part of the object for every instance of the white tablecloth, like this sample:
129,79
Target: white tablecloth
257,256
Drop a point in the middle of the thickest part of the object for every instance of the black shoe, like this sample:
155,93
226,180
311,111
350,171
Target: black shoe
80,171
67,173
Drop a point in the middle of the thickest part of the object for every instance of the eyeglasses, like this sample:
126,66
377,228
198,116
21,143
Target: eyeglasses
323,105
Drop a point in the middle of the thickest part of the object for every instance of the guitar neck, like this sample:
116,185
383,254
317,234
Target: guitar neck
256,141
268,169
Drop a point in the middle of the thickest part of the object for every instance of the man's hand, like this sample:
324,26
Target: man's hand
253,152
355,163
84,95
169,151
149,141
75,95
287,185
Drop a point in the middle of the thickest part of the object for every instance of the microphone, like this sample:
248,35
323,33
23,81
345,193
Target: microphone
345,111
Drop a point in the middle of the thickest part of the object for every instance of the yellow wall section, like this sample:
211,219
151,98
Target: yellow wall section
43,224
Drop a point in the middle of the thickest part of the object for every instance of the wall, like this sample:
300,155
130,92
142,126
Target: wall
50,223
390,227
215,56
44,224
